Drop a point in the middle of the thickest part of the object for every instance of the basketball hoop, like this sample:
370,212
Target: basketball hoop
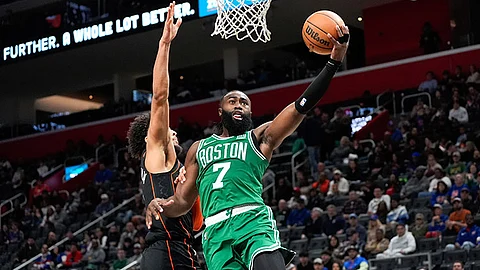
242,19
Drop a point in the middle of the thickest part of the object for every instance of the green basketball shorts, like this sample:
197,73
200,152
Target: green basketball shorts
234,237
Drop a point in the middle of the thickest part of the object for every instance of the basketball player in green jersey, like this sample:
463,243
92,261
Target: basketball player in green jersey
227,172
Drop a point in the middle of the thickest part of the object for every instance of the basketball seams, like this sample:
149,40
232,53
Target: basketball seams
330,18
317,27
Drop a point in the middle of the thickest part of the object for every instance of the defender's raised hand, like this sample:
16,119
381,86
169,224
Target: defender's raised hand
340,46
170,29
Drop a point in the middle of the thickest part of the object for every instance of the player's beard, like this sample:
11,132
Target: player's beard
236,127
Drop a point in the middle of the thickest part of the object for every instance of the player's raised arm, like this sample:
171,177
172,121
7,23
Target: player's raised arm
158,133
290,118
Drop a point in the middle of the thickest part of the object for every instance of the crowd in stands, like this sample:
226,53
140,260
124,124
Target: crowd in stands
416,191
351,206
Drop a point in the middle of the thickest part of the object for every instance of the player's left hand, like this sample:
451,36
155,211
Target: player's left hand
340,46
181,176
170,29
155,208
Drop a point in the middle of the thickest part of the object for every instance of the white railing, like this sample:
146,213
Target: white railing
372,142
12,206
116,162
393,101
79,231
130,265
295,167
416,95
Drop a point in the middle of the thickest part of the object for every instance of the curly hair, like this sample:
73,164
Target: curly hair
136,135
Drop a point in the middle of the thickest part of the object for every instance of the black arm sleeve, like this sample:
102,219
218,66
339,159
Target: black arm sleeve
317,88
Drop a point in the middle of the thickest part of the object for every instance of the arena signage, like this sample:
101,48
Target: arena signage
129,24
209,7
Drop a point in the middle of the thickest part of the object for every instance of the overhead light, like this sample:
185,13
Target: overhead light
181,77
413,0
90,97
360,18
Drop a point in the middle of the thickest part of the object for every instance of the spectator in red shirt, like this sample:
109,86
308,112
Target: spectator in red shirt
39,188
73,257
323,184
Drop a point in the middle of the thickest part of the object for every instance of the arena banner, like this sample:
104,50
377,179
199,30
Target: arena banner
398,75
99,31
209,7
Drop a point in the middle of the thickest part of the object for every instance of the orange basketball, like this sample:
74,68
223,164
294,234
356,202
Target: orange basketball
315,31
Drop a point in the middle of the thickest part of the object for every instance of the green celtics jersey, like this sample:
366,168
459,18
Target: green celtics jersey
230,172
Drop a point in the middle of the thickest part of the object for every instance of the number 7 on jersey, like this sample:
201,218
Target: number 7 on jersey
224,169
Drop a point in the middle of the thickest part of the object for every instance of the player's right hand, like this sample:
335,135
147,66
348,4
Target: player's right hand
170,29
340,46
154,209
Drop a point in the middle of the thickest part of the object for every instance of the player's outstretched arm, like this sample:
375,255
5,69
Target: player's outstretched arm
290,118
158,133
185,194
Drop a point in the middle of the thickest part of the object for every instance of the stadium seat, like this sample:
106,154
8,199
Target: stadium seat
314,253
383,264
428,244
299,245
474,254
318,243
296,233
342,237
340,201
454,255
448,240
407,261
364,219
474,265
437,257
420,202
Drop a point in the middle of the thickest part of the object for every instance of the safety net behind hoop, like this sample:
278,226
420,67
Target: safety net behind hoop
242,19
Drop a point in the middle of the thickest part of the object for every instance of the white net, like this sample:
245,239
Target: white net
242,19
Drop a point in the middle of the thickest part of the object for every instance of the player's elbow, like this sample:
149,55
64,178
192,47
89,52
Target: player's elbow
159,95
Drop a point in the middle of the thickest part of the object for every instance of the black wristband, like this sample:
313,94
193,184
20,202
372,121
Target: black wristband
317,88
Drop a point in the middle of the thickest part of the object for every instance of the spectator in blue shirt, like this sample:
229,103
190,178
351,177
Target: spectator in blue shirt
104,206
298,216
457,187
333,223
430,84
103,175
437,226
440,195
355,226
468,237
354,260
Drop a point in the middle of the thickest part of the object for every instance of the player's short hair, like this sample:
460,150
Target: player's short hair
136,135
